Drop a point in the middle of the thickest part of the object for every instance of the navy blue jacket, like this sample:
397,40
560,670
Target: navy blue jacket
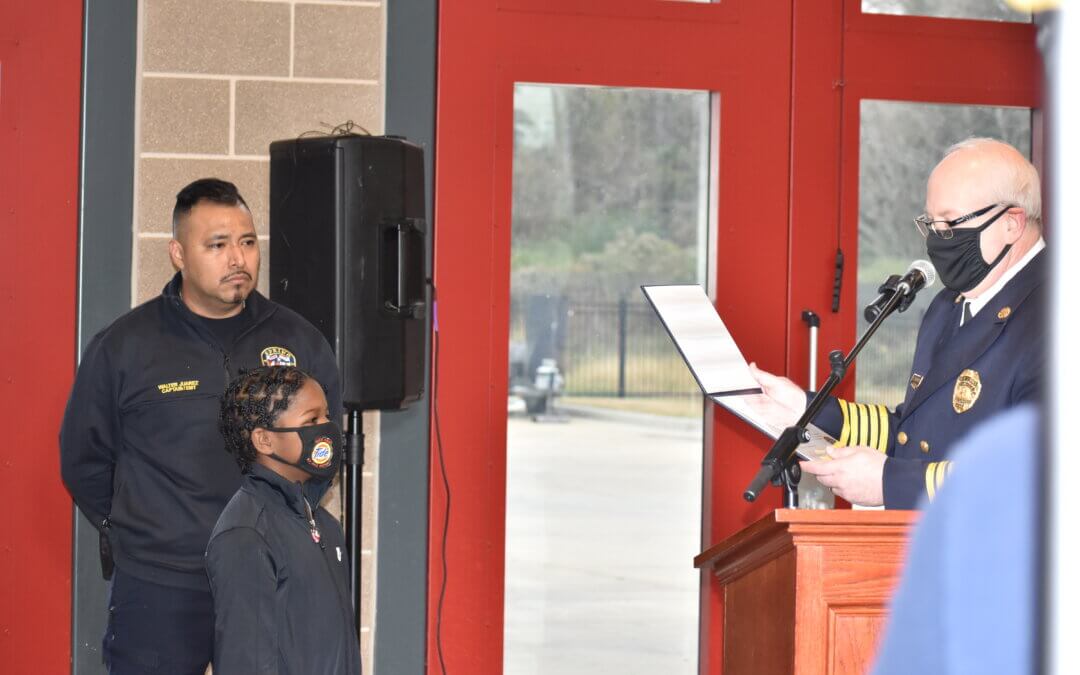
282,602
139,444
960,376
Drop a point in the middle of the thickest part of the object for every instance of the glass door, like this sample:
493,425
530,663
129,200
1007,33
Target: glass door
605,431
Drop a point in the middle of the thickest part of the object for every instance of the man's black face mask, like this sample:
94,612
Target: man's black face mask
959,260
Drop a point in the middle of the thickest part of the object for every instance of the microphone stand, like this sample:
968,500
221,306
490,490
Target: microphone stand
780,466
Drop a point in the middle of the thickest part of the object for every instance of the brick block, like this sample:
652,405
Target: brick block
184,115
225,37
338,42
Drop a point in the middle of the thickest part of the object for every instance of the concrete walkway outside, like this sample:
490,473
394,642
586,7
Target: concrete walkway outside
603,522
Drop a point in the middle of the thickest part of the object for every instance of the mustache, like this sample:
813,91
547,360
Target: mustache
233,275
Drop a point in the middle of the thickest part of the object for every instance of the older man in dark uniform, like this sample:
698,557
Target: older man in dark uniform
981,345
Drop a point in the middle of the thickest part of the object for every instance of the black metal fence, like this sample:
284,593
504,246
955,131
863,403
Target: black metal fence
603,347
618,347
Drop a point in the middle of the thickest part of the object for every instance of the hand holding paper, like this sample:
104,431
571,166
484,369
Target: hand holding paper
785,398
767,402
852,472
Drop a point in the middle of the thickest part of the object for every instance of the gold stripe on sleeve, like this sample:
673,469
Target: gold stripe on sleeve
931,489
853,424
872,413
883,436
863,426
845,433
939,474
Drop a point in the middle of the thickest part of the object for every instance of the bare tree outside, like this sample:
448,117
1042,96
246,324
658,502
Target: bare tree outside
605,192
609,194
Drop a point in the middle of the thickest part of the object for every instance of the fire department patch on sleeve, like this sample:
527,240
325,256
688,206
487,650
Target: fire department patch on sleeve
277,356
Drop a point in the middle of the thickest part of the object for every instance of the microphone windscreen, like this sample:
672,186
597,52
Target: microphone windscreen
927,271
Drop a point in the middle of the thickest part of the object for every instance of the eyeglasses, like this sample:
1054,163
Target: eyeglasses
945,229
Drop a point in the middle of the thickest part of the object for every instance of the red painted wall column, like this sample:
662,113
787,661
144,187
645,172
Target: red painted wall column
40,73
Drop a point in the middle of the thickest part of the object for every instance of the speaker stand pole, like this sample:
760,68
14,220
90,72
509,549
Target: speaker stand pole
354,492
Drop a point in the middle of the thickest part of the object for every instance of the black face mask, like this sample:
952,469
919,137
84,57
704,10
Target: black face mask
958,261
321,453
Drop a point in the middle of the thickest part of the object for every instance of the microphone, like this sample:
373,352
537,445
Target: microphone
920,274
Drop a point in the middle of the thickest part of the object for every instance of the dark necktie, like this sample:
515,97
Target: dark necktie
967,312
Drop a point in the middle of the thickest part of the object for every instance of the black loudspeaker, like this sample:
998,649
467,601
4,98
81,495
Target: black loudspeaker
347,235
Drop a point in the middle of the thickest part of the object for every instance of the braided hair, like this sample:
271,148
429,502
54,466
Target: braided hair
255,399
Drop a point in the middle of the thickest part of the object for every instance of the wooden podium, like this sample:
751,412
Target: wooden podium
807,592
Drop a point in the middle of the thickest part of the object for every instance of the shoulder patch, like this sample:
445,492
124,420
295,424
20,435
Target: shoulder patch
277,356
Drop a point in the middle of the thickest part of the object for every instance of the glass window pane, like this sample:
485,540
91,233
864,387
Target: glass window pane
988,10
604,478
900,143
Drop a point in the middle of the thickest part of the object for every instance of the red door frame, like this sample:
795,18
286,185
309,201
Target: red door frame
40,72
785,179
739,48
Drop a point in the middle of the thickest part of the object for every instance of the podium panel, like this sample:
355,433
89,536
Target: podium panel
807,592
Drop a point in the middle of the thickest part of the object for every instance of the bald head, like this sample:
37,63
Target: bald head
988,171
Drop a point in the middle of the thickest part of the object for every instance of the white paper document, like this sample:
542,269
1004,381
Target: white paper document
717,363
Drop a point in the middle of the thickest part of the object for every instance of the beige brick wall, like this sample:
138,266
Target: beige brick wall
218,80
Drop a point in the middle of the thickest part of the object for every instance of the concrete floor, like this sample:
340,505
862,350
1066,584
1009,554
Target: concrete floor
603,521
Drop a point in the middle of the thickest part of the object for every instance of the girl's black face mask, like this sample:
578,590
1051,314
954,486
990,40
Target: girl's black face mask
321,453
959,260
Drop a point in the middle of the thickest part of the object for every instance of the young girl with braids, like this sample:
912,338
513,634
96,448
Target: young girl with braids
276,559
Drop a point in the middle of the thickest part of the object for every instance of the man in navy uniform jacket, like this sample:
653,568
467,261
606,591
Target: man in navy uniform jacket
982,344
140,449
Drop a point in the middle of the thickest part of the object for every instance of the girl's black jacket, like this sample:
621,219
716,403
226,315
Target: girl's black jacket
281,599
